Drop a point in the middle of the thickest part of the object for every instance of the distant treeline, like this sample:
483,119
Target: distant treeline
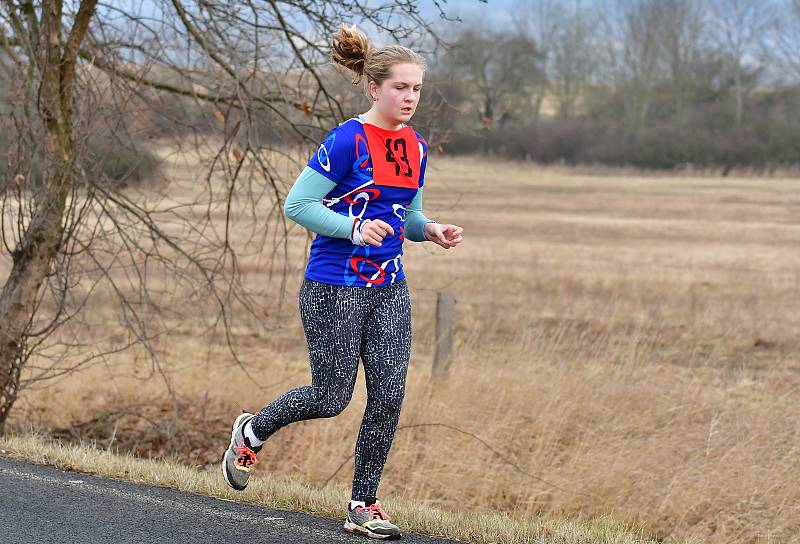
658,84
648,83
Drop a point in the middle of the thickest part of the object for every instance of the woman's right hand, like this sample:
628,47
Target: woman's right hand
374,231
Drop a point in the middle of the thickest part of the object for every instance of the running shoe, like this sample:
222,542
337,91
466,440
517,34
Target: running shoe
239,458
371,521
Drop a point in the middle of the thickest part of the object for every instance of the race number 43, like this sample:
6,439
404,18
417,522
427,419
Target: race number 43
393,147
395,156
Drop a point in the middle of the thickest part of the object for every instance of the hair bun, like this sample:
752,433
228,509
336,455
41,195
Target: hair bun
351,48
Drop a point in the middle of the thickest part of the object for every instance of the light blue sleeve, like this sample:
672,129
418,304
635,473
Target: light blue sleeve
416,220
304,206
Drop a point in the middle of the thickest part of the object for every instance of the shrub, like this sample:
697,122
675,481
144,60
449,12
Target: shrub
108,160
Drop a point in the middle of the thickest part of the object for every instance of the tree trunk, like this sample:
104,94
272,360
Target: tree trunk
31,263
738,92
40,244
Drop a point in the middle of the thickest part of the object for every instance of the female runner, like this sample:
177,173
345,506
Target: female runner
362,194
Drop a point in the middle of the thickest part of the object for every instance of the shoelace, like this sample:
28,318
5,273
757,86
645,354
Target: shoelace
377,512
246,457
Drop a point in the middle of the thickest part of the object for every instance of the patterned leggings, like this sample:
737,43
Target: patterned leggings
342,323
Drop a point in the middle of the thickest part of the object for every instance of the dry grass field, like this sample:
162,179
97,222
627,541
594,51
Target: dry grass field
625,345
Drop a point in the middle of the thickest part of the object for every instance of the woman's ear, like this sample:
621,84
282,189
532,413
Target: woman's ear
373,90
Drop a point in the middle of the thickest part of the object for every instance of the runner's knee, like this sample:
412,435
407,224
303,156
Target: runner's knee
330,404
388,403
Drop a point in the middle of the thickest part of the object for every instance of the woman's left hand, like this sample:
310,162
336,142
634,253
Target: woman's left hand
444,235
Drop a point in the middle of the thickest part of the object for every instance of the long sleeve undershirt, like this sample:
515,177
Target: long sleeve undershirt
304,206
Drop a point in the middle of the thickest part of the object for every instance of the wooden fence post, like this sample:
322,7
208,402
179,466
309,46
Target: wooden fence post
445,327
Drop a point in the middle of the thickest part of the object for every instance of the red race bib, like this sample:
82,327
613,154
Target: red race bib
395,156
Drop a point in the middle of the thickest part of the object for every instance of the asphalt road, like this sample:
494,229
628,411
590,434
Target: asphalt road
41,505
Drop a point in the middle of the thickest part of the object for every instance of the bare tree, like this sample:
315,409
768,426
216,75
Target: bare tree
258,69
634,52
786,46
497,71
566,37
52,52
682,47
738,27
574,55
539,21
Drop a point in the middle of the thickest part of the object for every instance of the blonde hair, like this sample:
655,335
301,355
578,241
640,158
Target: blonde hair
352,49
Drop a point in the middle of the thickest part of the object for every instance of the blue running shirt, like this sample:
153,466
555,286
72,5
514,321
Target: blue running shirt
346,158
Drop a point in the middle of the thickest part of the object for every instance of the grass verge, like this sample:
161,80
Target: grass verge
327,502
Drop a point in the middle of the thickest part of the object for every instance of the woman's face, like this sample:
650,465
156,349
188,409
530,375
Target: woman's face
398,95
